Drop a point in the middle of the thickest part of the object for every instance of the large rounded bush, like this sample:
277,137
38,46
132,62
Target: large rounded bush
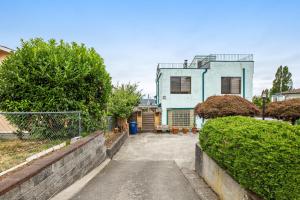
288,110
263,156
55,76
227,105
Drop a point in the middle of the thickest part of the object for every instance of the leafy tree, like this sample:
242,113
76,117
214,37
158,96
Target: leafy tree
258,101
123,100
55,76
283,80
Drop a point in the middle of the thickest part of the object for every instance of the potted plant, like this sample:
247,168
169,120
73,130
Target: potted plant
175,130
194,129
116,130
185,130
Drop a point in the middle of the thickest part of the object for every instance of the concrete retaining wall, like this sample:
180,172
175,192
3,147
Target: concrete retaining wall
111,151
48,175
218,179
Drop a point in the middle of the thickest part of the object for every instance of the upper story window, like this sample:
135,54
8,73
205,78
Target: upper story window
231,85
180,84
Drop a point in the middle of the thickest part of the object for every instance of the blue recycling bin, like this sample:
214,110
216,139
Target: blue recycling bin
133,128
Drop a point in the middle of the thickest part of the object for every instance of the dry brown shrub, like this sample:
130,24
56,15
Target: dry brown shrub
227,105
288,110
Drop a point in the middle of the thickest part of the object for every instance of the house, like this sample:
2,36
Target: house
4,52
291,94
5,127
180,86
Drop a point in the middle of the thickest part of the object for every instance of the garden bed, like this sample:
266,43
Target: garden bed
111,137
14,152
114,142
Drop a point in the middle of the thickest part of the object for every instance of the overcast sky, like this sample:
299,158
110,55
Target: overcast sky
133,36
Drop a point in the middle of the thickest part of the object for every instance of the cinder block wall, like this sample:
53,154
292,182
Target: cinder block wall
48,175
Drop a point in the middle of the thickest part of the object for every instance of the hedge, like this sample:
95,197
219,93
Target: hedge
54,76
263,156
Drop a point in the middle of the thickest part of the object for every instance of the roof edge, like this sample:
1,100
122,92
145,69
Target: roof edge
6,49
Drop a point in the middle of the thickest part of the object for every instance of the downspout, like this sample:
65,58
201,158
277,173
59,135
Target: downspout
244,86
157,89
203,73
203,82
156,92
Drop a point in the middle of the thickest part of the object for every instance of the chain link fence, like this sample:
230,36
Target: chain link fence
40,125
111,123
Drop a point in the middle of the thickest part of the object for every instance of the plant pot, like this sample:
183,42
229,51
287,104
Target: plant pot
175,130
116,130
185,130
194,130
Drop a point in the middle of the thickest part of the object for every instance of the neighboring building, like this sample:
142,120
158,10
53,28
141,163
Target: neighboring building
147,115
180,86
147,103
5,127
4,52
277,97
291,94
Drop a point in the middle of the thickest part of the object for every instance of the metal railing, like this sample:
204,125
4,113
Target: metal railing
41,125
206,59
171,65
229,57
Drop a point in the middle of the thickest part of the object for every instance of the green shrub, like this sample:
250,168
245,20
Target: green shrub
263,156
123,99
55,76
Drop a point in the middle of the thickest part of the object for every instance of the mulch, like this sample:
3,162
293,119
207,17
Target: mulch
111,137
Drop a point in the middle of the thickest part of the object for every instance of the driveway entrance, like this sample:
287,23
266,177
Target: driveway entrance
148,167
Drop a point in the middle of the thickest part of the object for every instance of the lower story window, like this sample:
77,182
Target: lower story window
181,118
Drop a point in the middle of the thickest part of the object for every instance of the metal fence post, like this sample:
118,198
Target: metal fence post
79,121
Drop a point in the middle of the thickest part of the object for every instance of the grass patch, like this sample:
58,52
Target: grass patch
14,152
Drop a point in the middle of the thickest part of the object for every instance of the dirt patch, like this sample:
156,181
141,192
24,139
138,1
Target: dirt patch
111,137
14,152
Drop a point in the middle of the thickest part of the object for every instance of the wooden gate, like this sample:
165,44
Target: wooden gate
148,122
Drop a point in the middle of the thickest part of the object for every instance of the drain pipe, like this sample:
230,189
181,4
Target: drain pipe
157,88
244,82
203,82
203,73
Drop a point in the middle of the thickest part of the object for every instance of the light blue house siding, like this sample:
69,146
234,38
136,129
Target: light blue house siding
212,84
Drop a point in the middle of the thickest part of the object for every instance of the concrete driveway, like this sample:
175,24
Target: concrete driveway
160,147
148,167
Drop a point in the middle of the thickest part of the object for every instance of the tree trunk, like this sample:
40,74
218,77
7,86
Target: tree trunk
122,124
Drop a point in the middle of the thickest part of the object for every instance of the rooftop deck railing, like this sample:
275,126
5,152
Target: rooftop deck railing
207,59
229,57
170,65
